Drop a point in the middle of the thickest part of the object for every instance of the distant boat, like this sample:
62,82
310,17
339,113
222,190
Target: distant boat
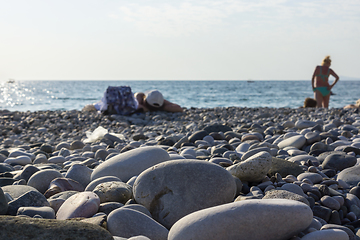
250,81
11,80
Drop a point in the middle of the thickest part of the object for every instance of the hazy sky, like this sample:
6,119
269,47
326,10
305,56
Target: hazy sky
177,40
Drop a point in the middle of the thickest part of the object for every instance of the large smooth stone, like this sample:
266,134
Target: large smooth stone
113,192
270,219
84,204
28,199
326,234
126,223
36,228
165,188
339,161
41,179
130,163
297,141
254,169
350,175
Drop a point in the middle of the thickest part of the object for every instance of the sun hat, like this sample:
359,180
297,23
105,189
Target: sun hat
154,98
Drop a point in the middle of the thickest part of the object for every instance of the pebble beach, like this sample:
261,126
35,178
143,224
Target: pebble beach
205,173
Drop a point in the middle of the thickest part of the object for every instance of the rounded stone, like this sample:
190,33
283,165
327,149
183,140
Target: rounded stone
130,163
19,160
297,141
126,223
350,233
108,207
84,204
350,175
198,135
46,148
330,202
284,168
63,184
252,152
28,171
312,137
322,212
254,169
4,167
28,199
313,177
44,212
164,188
16,191
294,188
40,158
57,159
284,194
339,161
274,220
113,192
58,199
80,173
101,154
76,145
138,207
328,234
41,179
97,181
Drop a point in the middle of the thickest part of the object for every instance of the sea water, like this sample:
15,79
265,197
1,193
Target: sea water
69,95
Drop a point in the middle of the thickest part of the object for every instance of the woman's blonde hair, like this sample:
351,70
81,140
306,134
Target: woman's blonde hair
326,60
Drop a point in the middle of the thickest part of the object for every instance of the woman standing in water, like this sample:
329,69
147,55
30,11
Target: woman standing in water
320,82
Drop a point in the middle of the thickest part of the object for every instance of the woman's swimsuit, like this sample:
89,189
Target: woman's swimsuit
323,90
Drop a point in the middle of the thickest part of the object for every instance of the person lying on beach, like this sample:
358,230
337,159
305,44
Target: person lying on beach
356,105
154,101
320,82
121,101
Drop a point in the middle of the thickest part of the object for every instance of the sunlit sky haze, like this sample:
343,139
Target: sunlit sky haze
177,40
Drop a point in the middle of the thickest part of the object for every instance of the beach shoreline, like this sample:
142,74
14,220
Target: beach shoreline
288,150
